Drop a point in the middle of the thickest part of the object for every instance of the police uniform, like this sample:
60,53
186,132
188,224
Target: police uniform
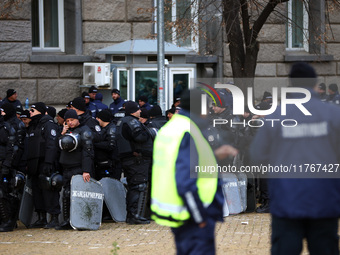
303,204
135,152
42,151
107,154
9,201
76,159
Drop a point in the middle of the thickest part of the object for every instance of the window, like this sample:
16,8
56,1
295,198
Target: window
297,26
181,16
48,25
146,85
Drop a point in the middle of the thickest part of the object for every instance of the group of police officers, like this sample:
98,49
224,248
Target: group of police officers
96,141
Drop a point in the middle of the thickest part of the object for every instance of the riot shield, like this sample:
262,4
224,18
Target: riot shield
86,203
242,184
26,212
231,193
115,198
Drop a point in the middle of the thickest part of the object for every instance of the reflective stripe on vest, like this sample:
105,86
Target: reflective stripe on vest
167,206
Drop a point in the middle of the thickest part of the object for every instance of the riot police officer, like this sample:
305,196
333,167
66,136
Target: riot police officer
42,154
135,152
107,154
9,200
76,158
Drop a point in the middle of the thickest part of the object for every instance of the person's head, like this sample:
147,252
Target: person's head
78,104
99,96
115,94
104,117
50,110
38,108
71,118
25,117
267,97
302,75
86,97
170,112
92,92
132,108
142,100
177,102
60,116
332,88
155,111
8,111
321,89
11,95
144,116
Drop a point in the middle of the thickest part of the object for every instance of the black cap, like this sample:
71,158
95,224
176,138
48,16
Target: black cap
51,111
172,110
85,95
40,106
143,99
9,109
10,92
62,112
104,115
131,107
155,111
302,70
79,103
93,89
267,95
116,91
144,113
71,114
25,114
322,86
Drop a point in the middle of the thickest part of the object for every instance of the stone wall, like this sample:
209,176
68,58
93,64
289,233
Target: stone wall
104,22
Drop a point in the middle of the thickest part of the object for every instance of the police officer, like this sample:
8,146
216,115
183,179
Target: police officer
92,93
78,104
135,152
11,97
321,90
156,119
143,102
117,103
99,102
42,154
106,148
333,94
90,105
76,158
303,204
9,200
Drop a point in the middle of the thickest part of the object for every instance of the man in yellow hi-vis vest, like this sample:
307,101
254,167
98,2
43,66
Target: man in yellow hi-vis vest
184,195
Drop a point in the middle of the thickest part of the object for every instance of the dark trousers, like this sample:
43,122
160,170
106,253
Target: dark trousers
44,200
191,239
136,172
321,234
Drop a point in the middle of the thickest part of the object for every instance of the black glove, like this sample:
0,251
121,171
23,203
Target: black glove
5,170
48,169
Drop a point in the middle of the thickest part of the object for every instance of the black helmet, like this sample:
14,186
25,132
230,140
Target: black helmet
19,180
54,182
69,142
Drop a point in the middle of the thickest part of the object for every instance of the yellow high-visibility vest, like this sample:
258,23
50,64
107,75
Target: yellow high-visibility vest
167,206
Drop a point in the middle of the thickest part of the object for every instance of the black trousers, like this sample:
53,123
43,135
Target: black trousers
136,172
321,234
44,200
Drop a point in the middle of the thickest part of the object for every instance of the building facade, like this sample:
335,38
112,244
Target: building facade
43,48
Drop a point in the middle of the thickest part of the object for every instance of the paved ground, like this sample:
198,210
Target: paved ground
239,234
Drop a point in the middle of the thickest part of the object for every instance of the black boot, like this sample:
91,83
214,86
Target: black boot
65,225
53,223
41,222
264,208
8,226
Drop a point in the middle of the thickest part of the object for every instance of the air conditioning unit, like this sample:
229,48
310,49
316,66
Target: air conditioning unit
97,74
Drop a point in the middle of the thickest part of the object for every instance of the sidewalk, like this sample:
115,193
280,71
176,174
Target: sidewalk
239,234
